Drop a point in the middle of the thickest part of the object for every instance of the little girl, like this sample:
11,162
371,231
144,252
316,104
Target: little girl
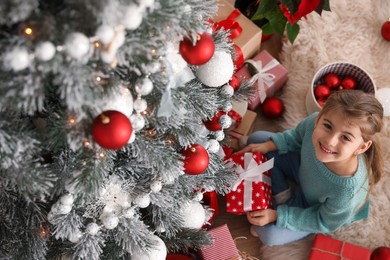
332,157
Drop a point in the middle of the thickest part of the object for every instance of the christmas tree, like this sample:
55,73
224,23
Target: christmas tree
104,152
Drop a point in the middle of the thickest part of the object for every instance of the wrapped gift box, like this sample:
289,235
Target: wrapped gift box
332,249
266,74
247,37
253,188
223,247
244,129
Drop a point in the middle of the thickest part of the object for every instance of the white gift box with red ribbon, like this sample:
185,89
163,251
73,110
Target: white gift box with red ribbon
253,190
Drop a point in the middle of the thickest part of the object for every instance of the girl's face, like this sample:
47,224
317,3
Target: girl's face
336,140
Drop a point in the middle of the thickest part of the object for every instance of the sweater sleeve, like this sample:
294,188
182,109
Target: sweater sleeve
319,218
291,140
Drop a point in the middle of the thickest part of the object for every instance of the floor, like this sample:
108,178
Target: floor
238,224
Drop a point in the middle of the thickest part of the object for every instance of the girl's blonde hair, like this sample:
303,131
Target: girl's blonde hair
364,110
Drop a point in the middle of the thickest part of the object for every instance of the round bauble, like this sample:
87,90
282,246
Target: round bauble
272,107
156,252
380,253
45,51
217,71
213,123
196,159
321,91
348,83
385,30
133,17
77,45
121,101
17,59
332,80
111,129
194,215
197,53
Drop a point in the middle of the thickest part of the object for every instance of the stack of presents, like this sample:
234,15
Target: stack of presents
268,77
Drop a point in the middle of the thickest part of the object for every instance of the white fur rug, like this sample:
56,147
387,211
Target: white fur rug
351,32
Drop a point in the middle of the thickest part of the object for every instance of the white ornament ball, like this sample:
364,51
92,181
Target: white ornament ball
137,122
194,215
75,237
160,229
110,221
383,95
229,90
128,213
142,201
219,135
217,71
213,146
198,196
124,199
132,138
105,33
225,121
77,45
143,86
62,209
45,51
67,199
17,59
133,17
156,186
92,228
157,252
140,105
121,101
228,107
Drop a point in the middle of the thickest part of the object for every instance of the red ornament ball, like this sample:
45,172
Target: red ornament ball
332,80
235,82
178,257
213,124
321,102
380,253
272,107
348,83
385,30
321,91
196,159
111,129
201,52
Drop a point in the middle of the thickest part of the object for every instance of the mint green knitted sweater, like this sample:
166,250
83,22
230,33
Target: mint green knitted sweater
334,201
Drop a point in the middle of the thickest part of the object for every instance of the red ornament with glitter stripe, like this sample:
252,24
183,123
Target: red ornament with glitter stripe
253,189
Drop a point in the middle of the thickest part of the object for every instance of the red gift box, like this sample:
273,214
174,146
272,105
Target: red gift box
332,249
253,189
268,77
223,247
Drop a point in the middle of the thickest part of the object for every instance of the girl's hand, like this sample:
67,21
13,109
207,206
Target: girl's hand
261,147
261,217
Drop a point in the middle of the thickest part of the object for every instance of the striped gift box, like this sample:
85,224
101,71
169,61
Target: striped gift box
223,247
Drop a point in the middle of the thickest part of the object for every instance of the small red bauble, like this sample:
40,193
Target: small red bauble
265,37
272,107
380,253
348,83
321,91
321,102
178,257
201,52
213,124
234,82
332,80
111,129
196,159
385,30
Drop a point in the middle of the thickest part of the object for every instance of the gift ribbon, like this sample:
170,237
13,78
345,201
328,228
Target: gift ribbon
252,172
263,77
234,134
235,116
333,253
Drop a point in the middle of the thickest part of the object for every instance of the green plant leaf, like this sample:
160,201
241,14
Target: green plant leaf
264,7
267,29
277,20
323,5
292,31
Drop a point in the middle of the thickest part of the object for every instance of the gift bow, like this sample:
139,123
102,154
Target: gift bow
230,24
252,172
263,77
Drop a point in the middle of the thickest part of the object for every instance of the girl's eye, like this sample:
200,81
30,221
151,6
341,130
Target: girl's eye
346,138
327,126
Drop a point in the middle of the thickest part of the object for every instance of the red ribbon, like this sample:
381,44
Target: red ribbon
210,198
235,116
235,29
